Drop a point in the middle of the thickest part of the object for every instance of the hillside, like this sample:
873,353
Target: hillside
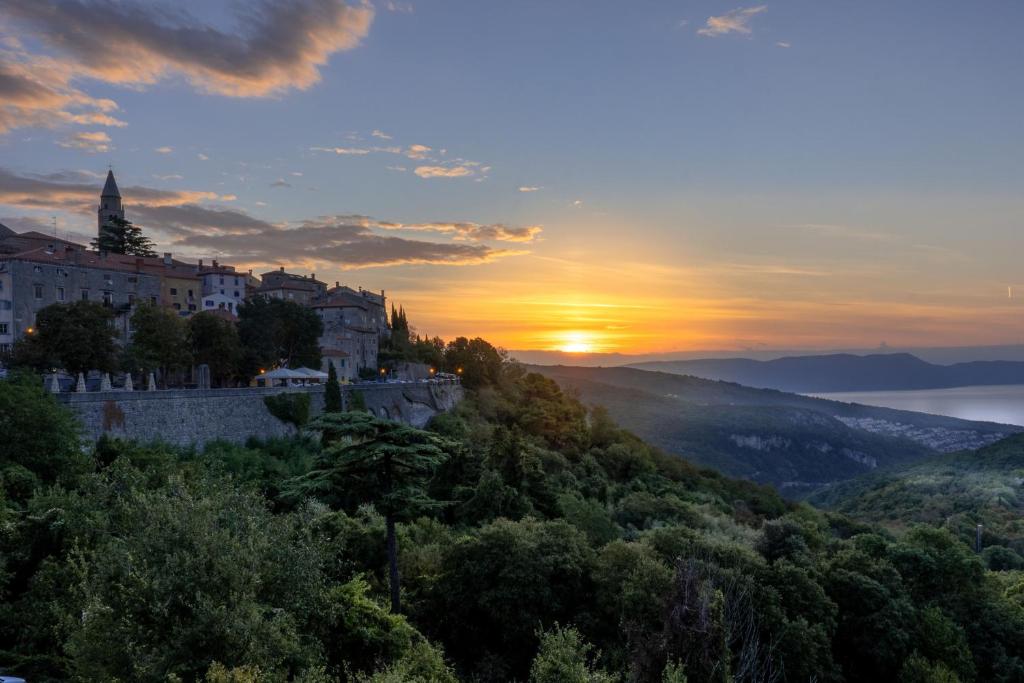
530,538
796,443
958,491
845,372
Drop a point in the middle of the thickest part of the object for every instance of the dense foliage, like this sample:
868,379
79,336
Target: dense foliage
277,332
957,492
121,236
78,337
547,544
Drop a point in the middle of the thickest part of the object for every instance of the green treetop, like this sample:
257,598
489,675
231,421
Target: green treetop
385,462
120,236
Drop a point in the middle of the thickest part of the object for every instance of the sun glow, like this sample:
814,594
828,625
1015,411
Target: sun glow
576,341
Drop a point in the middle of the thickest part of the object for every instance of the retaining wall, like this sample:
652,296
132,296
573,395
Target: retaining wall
197,416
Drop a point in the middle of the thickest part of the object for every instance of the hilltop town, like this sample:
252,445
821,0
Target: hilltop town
39,270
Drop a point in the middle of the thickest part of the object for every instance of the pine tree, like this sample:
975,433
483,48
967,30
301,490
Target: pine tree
332,392
120,236
385,462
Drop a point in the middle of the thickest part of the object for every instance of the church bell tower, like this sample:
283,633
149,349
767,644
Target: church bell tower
110,203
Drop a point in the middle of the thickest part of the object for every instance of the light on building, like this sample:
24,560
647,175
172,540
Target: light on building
30,330
458,370
262,371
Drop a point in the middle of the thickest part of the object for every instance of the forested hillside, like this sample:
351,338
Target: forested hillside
795,443
534,540
957,491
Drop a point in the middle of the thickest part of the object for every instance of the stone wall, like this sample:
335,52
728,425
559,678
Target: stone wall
198,416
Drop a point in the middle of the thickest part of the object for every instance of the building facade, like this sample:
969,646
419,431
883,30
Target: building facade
302,289
33,280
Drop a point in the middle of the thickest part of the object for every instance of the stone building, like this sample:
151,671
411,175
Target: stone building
302,289
34,279
351,336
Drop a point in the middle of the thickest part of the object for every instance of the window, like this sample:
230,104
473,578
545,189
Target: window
177,307
236,294
208,303
60,294
5,348
37,269
174,291
222,282
108,279
38,290
108,298
190,294
85,295
152,300
131,299
4,328
222,291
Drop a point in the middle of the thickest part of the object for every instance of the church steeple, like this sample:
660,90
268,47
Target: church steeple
110,202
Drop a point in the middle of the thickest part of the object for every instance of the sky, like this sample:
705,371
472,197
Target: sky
587,176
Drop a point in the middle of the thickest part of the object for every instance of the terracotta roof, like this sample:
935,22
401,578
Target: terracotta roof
67,257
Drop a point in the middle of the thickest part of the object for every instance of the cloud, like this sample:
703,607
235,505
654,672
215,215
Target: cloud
733,21
280,182
90,142
77,192
469,231
396,168
164,150
417,151
169,176
380,134
38,92
402,7
348,242
530,188
357,151
442,171
202,157
783,43
281,47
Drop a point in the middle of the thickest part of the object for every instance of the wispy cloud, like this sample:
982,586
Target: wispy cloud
417,151
354,151
202,157
90,142
76,192
280,182
783,43
530,188
443,171
469,231
401,7
164,150
733,21
380,134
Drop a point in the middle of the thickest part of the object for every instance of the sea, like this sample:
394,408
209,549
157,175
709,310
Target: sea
1004,404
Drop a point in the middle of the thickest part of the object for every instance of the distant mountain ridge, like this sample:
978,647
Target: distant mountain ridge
845,372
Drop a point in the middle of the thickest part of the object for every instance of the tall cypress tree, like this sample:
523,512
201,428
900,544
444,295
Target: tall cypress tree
332,392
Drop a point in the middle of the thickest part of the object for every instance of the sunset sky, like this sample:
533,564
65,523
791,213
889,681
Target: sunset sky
585,176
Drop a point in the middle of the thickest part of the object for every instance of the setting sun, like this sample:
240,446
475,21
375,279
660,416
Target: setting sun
576,342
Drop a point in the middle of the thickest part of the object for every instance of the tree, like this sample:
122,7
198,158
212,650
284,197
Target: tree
479,363
78,337
159,340
386,461
332,392
275,332
40,436
214,341
565,657
120,236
